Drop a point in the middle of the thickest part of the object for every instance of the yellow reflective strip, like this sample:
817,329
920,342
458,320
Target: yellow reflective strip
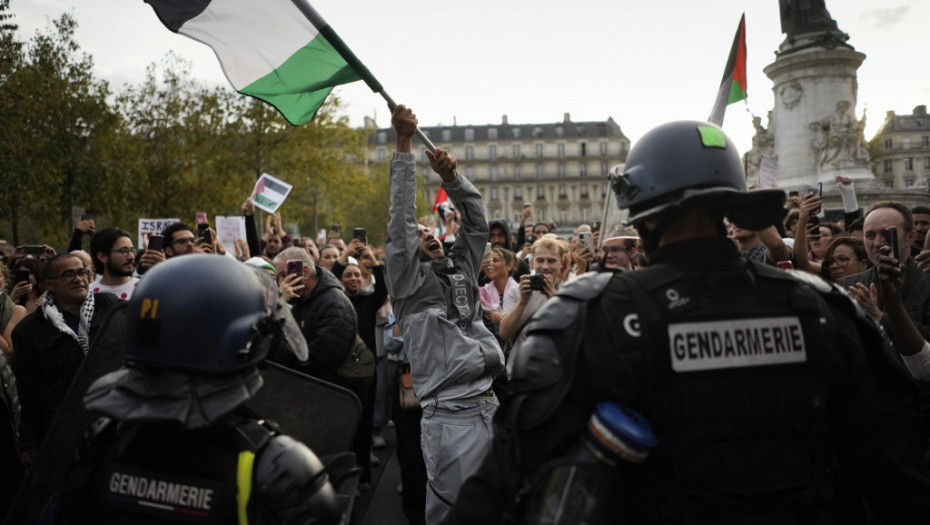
244,484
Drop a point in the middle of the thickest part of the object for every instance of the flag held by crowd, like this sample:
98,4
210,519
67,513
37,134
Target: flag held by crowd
267,49
733,85
269,193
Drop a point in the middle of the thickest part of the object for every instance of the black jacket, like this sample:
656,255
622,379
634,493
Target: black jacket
329,323
45,363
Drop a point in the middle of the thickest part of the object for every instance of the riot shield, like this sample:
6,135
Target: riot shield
320,414
49,468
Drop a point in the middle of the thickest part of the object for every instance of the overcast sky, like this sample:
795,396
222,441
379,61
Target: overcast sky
642,63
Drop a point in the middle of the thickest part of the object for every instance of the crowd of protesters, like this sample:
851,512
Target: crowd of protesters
52,303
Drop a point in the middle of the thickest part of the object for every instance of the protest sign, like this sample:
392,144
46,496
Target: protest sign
152,227
228,229
269,193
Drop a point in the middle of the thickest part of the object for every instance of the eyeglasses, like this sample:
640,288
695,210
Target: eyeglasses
614,249
123,251
840,260
186,240
71,274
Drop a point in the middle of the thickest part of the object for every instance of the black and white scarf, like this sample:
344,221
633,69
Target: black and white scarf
54,316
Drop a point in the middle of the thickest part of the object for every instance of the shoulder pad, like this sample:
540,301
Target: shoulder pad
811,280
587,286
292,485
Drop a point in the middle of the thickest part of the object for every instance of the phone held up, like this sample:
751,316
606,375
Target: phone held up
295,267
586,240
203,229
816,189
891,238
156,242
360,234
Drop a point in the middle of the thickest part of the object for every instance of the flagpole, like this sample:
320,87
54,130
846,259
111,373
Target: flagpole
327,31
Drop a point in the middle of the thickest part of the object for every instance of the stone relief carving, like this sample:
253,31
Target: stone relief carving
839,140
791,94
763,145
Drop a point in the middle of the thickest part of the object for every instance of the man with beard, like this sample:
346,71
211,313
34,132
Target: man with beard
113,257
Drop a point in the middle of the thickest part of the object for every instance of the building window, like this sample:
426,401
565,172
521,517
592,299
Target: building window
469,134
604,169
492,133
495,195
517,172
470,173
562,194
561,171
539,151
888,144
887,164
583,170
495,175
538,132
382,155
382,137
446,135
492,152
908,183
426,193
603,147
889,184
561,149
540,192
926,163
603,190
506,194
516,151
906,143
540,174
925,141
559,131
908,164
541,214
518,193
584,191
469,153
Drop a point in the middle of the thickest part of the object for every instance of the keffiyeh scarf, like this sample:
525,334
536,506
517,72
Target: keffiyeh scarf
54,316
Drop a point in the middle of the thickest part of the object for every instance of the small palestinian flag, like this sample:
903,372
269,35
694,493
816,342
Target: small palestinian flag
733,85
269,193
440,207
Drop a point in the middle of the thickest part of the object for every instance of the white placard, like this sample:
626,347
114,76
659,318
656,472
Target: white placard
228,229
154,226
767,170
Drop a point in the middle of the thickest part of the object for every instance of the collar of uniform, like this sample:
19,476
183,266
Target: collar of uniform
697,253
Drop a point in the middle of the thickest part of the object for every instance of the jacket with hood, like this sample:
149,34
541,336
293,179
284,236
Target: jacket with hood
452,354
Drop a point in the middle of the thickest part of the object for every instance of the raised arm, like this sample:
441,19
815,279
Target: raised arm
403,275
472,237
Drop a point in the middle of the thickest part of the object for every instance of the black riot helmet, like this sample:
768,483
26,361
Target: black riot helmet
692,163
199,313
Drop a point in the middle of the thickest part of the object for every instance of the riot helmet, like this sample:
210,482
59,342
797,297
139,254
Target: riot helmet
202,314
691,163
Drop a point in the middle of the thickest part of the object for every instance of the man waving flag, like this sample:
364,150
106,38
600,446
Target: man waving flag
733,85
268,49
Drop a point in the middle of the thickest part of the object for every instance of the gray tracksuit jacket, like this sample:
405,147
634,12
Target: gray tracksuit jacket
452,354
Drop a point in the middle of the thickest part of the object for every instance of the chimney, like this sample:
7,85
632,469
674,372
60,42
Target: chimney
567,118
889,115
920,110
504,119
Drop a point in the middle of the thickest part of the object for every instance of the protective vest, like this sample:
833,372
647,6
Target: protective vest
735,393
163,474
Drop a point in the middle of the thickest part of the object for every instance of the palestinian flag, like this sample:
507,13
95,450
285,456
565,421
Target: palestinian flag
733,85
269,193
267,48
440,207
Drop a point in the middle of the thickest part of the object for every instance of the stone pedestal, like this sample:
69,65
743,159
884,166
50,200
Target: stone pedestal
815,131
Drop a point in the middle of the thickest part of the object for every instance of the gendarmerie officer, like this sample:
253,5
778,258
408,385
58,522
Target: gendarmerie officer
770,394
176,445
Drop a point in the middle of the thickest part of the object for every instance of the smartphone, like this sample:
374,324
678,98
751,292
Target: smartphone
22,275
335,228
201,217
295,267
595,226
586,240
793,193
891,237
33,249
204,230
156,242
360,234
487,248
816,189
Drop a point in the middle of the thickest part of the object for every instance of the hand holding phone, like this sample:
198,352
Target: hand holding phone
361,234
295,267
586,240
156,242
891,238
816,189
